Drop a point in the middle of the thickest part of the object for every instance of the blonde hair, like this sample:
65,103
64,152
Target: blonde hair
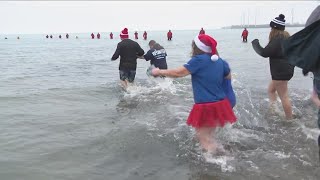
195,50
278,33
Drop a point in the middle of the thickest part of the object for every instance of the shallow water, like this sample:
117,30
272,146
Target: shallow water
64,115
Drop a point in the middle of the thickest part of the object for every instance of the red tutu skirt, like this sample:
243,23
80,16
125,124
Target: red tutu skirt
215,114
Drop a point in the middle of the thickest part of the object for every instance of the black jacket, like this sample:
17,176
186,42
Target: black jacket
128,50
303,48
279,66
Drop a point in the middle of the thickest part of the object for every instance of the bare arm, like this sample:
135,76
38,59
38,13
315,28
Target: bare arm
174,73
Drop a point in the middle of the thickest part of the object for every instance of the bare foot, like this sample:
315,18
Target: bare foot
272,108
212,148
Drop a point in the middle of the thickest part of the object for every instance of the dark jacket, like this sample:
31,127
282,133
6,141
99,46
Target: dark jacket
279,66
157,58
128,50
303,48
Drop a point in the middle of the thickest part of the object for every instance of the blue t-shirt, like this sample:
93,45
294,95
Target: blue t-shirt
157,58
207,78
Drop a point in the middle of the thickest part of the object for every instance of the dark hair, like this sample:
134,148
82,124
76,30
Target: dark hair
157,46
152,42
195,50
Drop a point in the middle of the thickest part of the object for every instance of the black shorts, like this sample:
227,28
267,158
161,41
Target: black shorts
128,75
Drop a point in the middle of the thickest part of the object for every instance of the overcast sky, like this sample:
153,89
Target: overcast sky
104,16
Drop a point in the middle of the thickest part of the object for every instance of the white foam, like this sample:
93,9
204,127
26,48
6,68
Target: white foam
222,161
163,84
311,133
282,155
253,166
157,84
237,135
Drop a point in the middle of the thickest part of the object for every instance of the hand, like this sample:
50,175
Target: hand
155,72
305,72
255,40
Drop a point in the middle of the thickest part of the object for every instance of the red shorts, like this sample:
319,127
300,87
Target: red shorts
215,114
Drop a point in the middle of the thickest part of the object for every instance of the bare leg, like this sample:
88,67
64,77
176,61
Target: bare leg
282,90
124,84
272,92
130,83
206,141
272,97
212,140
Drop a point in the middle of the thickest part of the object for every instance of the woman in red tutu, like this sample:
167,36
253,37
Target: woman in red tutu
212,108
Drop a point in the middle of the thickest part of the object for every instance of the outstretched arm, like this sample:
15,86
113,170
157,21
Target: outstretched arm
268,51
174,73
140,51
140,57
148,56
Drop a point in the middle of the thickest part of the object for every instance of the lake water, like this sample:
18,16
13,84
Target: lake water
64,116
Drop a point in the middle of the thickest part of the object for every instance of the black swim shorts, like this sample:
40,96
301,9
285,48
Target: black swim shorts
128,75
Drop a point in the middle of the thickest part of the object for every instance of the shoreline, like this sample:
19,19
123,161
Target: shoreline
259,26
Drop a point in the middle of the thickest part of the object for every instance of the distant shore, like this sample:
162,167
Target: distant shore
259,26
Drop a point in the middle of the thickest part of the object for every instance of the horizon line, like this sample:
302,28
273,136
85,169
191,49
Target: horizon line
38,33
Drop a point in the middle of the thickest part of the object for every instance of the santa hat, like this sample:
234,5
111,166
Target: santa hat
207,44
124,34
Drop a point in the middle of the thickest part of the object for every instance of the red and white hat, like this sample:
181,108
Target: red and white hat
124,34
207,44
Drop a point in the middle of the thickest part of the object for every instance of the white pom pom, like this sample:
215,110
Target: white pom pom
214,57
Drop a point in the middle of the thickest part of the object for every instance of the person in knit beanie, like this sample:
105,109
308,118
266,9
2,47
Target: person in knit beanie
212,108
129,51
280,69
278,23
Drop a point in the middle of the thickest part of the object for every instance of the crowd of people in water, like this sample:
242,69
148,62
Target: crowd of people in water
98,36
214,97
244,35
